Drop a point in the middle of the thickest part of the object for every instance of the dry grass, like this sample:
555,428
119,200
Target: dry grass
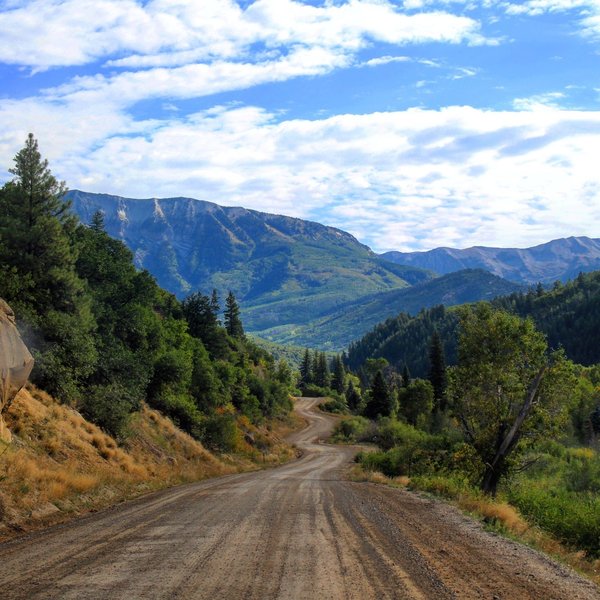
59,464
503,516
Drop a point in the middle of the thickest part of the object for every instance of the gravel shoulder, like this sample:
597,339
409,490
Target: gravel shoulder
300,531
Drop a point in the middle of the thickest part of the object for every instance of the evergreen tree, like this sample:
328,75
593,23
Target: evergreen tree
233,323
405,376
306,370
35,228
353,398
97,222
214,304
37,252
380,401
321,370
437,371
338,375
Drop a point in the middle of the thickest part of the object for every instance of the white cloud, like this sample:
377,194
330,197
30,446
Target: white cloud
385,60
550,100
179,32
588,11
410,179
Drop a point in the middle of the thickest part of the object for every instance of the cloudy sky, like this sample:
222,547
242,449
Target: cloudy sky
412,124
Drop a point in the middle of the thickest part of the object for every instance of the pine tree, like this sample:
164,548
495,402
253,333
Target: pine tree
233,323
37,233
381,400
405,376
35,225
338,375
306,369
97,222
214,305
353,398
437,371
198,311
321,370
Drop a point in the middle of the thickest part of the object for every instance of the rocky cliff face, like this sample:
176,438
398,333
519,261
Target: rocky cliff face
15,363
560,259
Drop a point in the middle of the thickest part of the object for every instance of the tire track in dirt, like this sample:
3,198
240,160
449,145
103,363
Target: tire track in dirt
299,531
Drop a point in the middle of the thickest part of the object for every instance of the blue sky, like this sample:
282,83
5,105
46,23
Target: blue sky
412,124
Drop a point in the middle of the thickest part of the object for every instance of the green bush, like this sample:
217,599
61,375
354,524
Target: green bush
354,429
109,406
220,432
311,390
449,486
334,405
408,451
574,518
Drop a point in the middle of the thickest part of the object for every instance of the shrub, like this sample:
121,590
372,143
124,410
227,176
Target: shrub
220,432
354,429
109,406
334,405
310,390
574,518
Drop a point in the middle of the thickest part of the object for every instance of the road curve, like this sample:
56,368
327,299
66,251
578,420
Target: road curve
295,532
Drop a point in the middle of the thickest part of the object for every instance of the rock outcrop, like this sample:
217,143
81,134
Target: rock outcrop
15,363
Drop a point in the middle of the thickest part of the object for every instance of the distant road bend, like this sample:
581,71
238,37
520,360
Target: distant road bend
297,532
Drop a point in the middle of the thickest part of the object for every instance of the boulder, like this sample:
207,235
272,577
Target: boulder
15,363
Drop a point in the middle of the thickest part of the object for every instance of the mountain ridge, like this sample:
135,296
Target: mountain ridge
283,270
297,281
559,259
344,324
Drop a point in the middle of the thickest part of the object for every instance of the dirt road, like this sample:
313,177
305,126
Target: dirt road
297,532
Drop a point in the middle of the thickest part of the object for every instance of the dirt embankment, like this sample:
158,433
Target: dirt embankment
299,531
59,465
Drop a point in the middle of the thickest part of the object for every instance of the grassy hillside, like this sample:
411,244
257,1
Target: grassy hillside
59,465
342,324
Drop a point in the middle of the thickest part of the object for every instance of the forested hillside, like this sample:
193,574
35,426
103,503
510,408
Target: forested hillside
340,326
569,315
285,272
106,337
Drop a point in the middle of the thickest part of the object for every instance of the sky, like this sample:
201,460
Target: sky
411,124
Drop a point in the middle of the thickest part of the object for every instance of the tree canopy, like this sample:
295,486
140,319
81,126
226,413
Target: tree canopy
507,390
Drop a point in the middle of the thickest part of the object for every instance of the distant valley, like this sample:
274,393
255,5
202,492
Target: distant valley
304,283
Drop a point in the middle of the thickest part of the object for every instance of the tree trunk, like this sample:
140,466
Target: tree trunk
491,478
493,471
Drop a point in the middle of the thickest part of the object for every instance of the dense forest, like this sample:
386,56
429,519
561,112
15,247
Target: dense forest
569,316
106,337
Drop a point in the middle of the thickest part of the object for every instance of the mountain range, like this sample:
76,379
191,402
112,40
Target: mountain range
297,281
560,259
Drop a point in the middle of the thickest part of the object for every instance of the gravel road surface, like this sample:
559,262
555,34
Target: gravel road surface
296,532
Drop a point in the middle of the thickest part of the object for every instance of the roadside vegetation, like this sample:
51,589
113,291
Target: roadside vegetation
60,465
511,430
107,338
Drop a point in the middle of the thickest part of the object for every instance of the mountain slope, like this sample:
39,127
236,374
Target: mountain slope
569,315
284,271
560,259
344,324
